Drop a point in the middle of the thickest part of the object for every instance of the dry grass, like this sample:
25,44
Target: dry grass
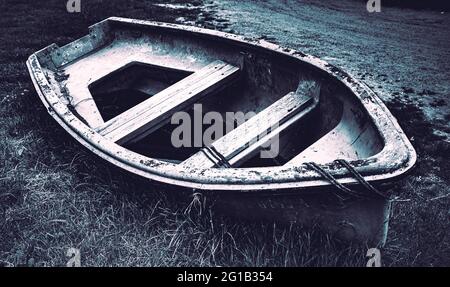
55,195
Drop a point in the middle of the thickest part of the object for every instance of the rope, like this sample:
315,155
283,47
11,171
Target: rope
327,175
220,162
209,157
224,159
215,157
331,179
223,162
360,178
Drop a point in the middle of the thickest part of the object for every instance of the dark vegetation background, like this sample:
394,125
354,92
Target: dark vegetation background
54,194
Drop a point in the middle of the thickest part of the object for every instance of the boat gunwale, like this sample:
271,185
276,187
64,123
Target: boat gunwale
392,161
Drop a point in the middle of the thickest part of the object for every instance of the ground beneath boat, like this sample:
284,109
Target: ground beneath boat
55,195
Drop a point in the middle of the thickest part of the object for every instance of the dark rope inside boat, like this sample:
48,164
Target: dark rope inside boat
210,157
215,157
343,188
223,159
314,166
218,161
360,178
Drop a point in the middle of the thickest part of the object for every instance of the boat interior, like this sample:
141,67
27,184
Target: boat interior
129,87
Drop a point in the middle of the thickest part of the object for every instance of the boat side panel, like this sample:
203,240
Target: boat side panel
99,35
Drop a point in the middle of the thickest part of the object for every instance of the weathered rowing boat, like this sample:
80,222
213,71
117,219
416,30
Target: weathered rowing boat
117,90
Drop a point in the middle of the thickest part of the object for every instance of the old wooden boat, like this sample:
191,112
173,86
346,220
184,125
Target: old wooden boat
117,89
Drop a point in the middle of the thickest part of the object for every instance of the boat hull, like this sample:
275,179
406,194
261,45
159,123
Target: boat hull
359,220
391,157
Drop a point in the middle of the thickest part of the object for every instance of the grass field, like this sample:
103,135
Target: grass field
55,195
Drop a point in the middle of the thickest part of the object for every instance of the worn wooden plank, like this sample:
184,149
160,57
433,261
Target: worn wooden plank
157,110
242,142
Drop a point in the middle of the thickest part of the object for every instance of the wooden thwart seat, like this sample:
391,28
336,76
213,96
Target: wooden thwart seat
156,111
242,142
